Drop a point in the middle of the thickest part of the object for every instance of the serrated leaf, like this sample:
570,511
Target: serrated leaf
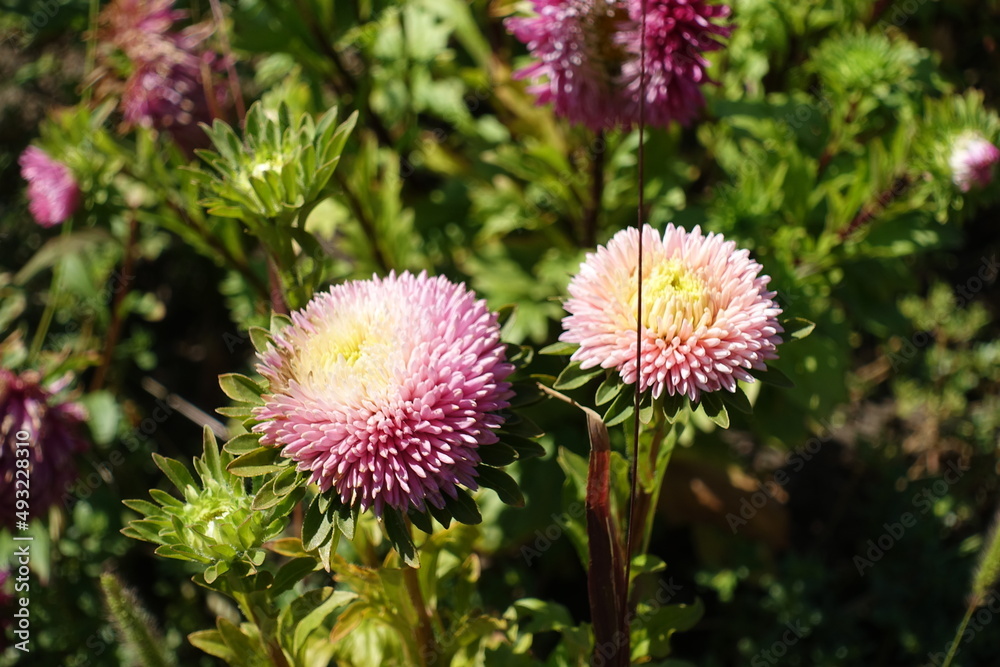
505,486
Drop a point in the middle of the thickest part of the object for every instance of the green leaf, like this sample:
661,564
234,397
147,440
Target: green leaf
609,389
211,642
260,461
505,486
737,400
260,338
621,409
774,377
176,472
317,525
243,444
422,521
463,508
497,454
524,447
520,425
559,349
574,377
279,322
399,537
672,406
241,389
797,328
291,573
143,507
715,409
243,411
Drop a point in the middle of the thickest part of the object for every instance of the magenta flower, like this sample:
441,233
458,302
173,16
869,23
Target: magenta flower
707,316
384,389
588,58
166,89
678,33
29,414
972,161
53,195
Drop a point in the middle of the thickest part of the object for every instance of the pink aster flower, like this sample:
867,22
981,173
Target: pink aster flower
707,316
29,413
384,389
972,161
588,58
53,195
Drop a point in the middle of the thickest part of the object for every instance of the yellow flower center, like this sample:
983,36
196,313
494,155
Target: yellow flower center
672,293
352,358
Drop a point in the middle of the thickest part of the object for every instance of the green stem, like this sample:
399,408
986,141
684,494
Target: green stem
50,305
428,651
958,635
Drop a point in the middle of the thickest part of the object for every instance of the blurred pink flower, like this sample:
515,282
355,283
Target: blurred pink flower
53,195
384,389
707,316
972,159
52,431
678,33
166,89
588,58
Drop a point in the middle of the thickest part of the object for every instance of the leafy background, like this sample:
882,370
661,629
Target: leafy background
821,106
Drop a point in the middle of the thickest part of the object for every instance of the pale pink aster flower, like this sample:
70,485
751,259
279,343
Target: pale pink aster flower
972,161
384,389
678,32
588,58
53,195
707,315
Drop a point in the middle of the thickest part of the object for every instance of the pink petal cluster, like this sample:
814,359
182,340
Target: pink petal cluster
384,389
53,195
588,58
165,89
53,433
972,161
707,317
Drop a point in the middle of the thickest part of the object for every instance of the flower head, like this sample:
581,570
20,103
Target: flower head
166,89
53,195
589,58
385,388
972,160
707,317
28,414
